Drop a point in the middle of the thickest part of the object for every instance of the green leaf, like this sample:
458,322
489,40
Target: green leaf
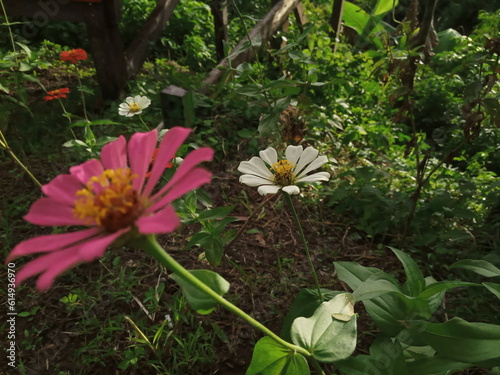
214,251
304,305
435,365
460,340
387,313
388,355
24,67
353,274
250,90
384,6
216,213
330,334
197,299
271,358
415,281
375,286
103,122
441,286
480,267
493,288
355,17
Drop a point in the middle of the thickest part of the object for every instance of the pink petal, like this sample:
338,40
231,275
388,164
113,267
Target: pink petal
194,179
96,247
84,172
47,211
192,159
45,262
62,188
164,221
51,242
114,154
47,278
140,153
169,145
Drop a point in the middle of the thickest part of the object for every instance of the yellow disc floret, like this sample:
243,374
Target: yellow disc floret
109,201
134,108
283,173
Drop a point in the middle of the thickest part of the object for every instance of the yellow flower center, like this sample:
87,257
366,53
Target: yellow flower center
134,107
109,201
283,173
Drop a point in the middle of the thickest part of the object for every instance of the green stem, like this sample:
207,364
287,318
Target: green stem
143,123
66,114
304,241
10,30
152,247
81,93
4,144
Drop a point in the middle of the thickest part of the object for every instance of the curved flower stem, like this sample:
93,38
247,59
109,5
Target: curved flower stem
5,146
143,123
66,114
152,247
306,247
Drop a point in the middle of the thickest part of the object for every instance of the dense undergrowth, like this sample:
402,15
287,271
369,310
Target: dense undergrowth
412,143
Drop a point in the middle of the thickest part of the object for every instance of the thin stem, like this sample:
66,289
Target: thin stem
143,123
4,144
304,241
66,114
151,246
81,93
245,224
10,30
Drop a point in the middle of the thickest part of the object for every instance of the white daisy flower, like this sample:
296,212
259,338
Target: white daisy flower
133,105
272,175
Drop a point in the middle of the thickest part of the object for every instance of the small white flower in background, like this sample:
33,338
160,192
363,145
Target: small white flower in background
133,105
272,175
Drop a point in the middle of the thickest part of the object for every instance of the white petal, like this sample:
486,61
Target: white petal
142,101
268,189
255,166
269,155
129,100
252,180
125,112
292,190
309,154
293,153
318,162
320,176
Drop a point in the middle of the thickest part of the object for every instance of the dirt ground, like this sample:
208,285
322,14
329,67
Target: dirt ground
260,284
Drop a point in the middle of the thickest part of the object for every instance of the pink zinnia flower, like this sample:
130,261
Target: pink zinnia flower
113,197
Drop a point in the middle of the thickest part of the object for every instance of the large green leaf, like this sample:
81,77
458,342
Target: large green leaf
271,358
384,6
386,357
353,274
355,17
330,334
385,313
375,286
197,299
415,281
481,267
435,365
441,286
304,305
460,340
493,288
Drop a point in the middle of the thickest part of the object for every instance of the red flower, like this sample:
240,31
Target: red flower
73,55
57,94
